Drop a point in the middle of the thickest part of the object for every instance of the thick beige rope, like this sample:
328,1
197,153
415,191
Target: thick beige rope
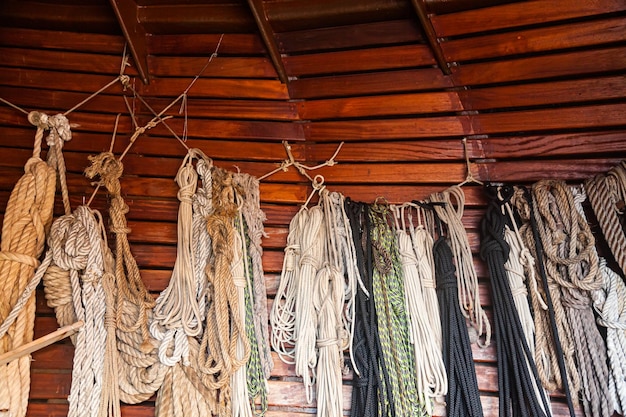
140,372
217,358
27,218
451,213
254,218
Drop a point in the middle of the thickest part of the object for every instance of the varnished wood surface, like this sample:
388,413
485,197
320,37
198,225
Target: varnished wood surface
537,88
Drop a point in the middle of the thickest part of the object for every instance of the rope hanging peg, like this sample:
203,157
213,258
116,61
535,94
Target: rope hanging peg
519,387
27,219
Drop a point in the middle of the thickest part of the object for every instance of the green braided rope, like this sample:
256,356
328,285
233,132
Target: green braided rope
392,319
257,385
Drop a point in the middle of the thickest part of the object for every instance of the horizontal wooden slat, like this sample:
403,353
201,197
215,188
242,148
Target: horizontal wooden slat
372,83
590,117
543,94
541,67
407,173
520,14
387,129
54,80
71,41
393,57
574,35
218,88
349,36
63,61
528,171
231,67
190,44
61,101
387,105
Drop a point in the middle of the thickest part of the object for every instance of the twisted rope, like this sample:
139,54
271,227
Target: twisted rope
27,218
140,372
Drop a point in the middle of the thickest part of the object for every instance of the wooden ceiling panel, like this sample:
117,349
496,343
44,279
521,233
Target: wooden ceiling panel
240,44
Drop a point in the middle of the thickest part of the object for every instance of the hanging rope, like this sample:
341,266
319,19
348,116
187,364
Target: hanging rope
571,262
607,194
392,320
430,371
518,380
27,218
370,396
463,398
451,213
177,313
254,218
140,372
217,358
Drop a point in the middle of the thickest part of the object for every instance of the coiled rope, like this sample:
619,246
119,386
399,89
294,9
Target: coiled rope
606,194
451,213
572,263
140,372
518,380
430,371
27,218
370,396
463,398
392,320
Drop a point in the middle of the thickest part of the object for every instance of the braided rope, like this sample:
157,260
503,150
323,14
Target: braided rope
469,296
392,320
27,217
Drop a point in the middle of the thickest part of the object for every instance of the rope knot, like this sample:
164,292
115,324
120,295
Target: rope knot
108,168
59,130
69,242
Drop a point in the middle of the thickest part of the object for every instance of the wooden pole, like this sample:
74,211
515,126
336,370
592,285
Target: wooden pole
41,343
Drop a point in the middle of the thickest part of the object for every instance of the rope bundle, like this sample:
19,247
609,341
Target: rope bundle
27,218
463,398
469,298
518,381
139,371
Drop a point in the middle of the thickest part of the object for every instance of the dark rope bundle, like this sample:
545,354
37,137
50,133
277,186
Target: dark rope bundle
368,394
518,379
463,399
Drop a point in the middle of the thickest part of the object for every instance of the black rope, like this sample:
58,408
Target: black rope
544,280
517,388
463,398
368,397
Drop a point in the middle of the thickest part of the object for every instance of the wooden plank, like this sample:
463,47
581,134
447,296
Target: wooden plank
234,129
392,57
387,105
190,44
87,83
520,14
573,35
350,36
541,94
16,137
569,170
372,83
393,151
588,117
73,41
218,88
355,130
406,173
227,67
541,67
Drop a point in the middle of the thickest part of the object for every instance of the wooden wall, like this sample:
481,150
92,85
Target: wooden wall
539,92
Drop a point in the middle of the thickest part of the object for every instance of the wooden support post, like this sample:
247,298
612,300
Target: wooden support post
420,9
40,343
135,34
268,38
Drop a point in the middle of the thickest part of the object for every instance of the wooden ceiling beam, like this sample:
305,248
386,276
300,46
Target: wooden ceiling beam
135,34
267,33
431,36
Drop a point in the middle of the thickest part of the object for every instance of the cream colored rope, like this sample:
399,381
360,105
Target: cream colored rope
27,217
451,213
